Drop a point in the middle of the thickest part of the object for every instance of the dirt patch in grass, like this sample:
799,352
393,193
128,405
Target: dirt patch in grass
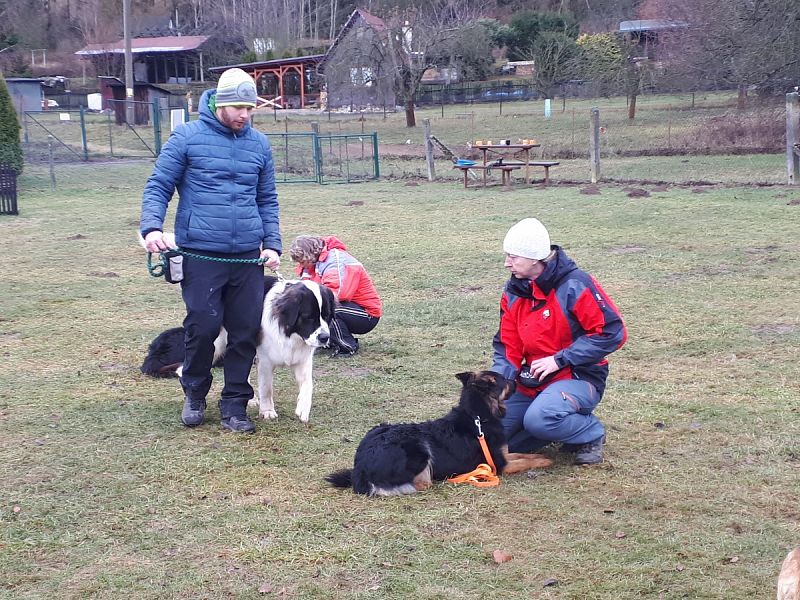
590,190
773,329
626,249
342,369
470,289
636,193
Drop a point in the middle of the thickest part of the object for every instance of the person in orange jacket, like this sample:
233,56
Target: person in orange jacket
327,261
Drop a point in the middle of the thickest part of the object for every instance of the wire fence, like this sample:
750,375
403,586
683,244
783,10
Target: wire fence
685,138
682,139
79,135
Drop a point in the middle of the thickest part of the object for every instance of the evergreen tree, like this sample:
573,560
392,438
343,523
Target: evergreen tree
10,147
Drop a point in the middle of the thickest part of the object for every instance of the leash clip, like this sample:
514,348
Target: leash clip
478,425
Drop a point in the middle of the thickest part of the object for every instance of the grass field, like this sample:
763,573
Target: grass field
106,495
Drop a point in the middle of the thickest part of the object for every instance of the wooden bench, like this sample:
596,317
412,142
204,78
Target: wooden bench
546,164
537,163
505,172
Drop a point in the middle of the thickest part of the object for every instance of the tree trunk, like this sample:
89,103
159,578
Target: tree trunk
411,118
741,98
632,107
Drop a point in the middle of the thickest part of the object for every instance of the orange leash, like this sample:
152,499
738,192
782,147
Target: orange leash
485,474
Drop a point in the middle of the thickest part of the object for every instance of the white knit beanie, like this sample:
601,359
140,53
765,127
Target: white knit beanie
528,239
236,88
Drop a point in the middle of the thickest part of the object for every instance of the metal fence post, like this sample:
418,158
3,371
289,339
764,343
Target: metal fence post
594,145
317,157
375,156
110,135
156,127
50,161
793,137
83,134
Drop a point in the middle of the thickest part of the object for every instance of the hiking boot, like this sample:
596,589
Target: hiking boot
193,412
590,453
238,424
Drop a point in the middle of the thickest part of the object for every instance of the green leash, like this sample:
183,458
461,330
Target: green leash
159,268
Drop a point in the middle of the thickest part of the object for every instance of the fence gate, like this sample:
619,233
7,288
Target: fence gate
81,135
335,158
347,158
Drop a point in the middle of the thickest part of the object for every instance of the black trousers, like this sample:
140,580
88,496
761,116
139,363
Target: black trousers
220,293
350,318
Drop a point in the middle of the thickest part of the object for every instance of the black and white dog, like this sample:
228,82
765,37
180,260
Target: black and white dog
296,320
404,458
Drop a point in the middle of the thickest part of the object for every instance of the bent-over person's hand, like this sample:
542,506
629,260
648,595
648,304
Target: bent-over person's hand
542,367
271,259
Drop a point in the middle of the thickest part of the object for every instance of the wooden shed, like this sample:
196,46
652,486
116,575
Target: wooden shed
26,93
112,91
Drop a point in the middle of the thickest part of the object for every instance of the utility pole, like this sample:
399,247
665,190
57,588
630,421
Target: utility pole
126,32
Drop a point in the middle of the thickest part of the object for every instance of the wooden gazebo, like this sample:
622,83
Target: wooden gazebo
285,82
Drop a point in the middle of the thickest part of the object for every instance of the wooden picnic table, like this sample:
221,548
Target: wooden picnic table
501,149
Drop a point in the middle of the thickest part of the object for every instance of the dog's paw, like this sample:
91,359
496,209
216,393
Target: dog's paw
303,409
303,414
268,415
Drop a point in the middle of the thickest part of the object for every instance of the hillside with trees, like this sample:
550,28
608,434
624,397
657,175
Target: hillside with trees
55,29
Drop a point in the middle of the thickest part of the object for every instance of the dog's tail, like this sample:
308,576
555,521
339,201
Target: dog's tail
341,479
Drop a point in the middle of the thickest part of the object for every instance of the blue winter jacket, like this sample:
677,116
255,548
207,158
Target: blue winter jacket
226,184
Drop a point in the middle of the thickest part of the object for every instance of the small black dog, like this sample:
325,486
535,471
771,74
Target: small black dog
407,457
165,354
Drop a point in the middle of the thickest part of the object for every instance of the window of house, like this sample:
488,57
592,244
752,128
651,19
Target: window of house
362,76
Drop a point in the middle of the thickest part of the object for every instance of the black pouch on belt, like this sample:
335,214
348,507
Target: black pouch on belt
529,381
173,271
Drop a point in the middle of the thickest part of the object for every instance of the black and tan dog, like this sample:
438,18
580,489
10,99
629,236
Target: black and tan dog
407,457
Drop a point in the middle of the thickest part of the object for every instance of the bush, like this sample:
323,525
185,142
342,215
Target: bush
10,148
764,131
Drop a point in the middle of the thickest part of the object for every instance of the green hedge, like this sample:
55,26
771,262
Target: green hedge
10,148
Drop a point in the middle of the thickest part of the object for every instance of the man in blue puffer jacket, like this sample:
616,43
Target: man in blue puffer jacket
223,171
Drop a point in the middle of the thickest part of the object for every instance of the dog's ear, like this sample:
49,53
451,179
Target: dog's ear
464,377
269,281
328,303
287,309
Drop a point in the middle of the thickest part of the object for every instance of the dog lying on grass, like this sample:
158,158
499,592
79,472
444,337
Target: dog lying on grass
405,458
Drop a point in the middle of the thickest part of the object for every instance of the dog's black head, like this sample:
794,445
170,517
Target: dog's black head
484,393
306,309
165,353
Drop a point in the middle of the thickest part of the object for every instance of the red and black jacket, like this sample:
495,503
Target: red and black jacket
564,312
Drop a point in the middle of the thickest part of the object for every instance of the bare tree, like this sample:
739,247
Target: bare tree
417,35
742,43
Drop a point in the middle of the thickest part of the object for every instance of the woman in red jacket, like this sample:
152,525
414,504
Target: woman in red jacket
326,261
557,326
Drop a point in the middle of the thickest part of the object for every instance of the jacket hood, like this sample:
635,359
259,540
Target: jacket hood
554,271
331,243
334,243
210,117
